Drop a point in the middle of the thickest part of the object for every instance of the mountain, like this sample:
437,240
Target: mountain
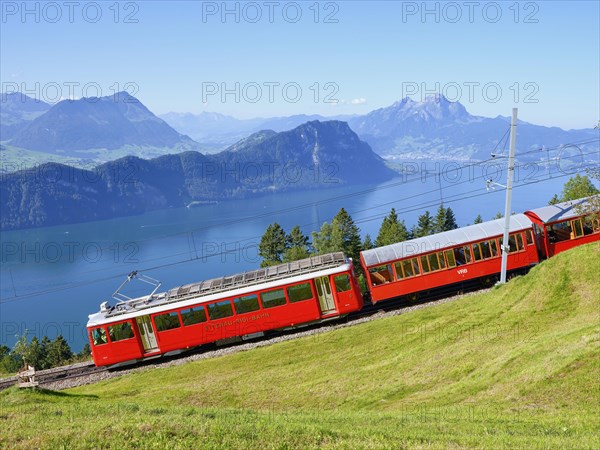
74,126
439,129
315,155
16,110
220,130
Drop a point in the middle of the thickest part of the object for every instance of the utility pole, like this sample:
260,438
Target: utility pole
509,182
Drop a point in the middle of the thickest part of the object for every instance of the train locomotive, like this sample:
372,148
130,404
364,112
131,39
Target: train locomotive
325,287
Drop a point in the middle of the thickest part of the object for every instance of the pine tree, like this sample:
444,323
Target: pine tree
272,245
450,223
45,362
59,352
297,245
391,230
425,225
322,240
478,219
367,243
346,234
439,222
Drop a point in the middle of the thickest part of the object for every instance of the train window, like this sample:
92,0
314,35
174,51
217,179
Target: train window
442,260
167,321
577,229
407,268
342,283
120,332
450,258
529,237
273,298
433,262
381,274
486,251
415,266
99,336
220,310
299,292
193,315
494,247
425,264
520,244
559,232
246,304
462,255
477,252
588,225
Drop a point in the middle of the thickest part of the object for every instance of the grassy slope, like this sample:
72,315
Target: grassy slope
514,368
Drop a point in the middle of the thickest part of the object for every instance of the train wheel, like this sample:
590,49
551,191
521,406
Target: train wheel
412,297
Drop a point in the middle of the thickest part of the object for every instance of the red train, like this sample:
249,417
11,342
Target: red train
324,287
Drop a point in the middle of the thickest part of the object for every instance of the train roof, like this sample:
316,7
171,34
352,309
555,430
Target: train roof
236,284
443,240
560,211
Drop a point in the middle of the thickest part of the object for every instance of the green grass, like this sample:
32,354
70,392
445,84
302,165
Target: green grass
517,367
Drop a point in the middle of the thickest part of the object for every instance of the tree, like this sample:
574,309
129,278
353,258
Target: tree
45,362
272,245
342,235
575,188
478,219
498,215
367,243
297,245
439,222
85,352
425,225
391,231
346,234
450,223
59,352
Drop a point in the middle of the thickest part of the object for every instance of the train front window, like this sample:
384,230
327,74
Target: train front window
99,336
220,310
120,332
193,315
342,283
299,292
381,274
167,321
273,298
246,304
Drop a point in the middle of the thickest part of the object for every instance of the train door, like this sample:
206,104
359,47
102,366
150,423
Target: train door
147,334
325,295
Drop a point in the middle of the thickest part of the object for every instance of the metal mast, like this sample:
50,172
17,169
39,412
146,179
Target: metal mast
509,182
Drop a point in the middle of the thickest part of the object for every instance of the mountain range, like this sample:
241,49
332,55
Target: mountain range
314,155
17,111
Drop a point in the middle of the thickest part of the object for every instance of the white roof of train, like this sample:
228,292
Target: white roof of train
443,240
274,276
560,211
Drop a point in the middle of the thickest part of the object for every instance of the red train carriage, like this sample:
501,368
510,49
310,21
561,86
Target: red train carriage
565,225
447,258
237,306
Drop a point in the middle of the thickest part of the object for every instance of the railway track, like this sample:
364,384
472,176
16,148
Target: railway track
44,377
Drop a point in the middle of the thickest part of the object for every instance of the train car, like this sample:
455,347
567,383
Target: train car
565,225
237,306
448,258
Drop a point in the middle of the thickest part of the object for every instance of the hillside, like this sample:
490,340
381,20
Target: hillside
516,367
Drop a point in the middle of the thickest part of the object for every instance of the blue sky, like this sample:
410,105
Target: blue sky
542,57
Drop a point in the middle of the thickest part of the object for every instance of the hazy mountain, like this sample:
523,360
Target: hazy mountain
315,155
439,129
111,122
220,130
16,110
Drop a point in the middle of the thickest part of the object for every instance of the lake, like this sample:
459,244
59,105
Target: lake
52,278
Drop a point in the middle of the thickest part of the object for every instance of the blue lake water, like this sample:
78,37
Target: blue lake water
52,278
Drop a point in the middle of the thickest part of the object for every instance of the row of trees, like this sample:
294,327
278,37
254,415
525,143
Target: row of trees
41,354
342,234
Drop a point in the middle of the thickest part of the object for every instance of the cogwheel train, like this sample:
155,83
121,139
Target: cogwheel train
320,288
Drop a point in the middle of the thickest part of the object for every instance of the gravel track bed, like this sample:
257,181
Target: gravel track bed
105,375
